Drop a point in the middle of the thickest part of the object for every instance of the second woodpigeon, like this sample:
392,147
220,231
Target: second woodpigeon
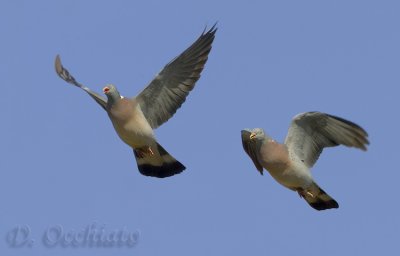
290,163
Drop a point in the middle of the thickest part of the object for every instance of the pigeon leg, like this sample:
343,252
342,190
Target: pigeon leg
144,151
302,193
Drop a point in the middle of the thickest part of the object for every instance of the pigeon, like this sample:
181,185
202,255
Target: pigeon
290,163
135,119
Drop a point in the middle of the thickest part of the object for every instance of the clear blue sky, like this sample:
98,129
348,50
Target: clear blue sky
63,164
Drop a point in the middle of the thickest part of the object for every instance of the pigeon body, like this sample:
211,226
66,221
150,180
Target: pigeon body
290,163
133,129
135,118
130,123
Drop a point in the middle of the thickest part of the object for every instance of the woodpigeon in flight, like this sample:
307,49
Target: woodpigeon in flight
290,163
135,118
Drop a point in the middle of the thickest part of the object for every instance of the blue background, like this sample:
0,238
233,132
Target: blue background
63,164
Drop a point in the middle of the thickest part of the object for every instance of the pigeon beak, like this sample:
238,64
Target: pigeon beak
106,90
252,135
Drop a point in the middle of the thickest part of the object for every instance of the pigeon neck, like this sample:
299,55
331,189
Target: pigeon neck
259,143
112,99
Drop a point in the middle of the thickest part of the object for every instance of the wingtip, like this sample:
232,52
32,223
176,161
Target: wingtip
212,30
57,64
244,131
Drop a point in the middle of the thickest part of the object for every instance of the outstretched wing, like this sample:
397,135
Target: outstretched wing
66,76
310,132
166,93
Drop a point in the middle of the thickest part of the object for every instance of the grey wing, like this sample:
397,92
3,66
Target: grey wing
166,93
66,76
250,147
310,132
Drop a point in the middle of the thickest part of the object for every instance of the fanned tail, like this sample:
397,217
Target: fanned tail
318,198
160,165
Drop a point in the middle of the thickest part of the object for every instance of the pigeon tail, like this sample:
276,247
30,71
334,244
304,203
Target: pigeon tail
318,198
160,164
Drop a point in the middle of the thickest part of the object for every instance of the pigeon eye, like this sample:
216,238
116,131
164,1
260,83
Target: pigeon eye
106,89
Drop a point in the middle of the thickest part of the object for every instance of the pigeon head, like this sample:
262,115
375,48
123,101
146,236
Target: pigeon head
260,135
257,134
112,93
